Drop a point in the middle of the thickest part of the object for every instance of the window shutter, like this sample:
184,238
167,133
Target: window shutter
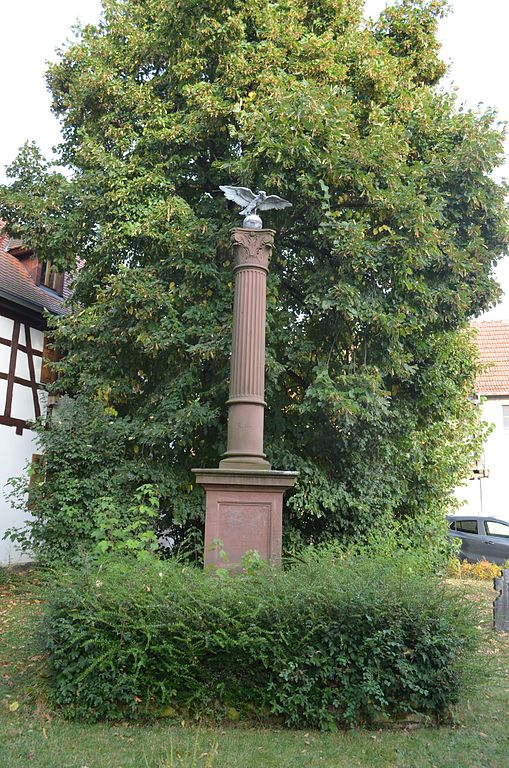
59,283
48,375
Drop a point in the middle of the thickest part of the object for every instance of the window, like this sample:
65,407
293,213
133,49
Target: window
51,279
505,414
466,526
496,529
452,525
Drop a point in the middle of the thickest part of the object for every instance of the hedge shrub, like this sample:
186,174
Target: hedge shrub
483,570
332,641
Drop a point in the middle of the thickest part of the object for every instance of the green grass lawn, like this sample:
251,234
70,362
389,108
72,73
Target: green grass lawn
32,735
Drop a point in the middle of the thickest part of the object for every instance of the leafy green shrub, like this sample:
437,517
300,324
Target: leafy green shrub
103,511
483,570
131,531
423,540
334,640
454,568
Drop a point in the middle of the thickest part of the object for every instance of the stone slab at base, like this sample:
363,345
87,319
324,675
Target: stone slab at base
244,511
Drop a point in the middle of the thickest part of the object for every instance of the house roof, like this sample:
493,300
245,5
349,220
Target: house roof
493,343
17,286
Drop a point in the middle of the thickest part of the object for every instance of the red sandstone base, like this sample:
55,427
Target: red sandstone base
243,513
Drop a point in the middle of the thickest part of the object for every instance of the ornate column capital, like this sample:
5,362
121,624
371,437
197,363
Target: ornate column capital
252,247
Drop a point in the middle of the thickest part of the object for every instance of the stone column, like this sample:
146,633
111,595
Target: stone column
251,252
244,497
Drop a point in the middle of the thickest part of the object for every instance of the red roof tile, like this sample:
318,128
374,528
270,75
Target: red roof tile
493,343
17,285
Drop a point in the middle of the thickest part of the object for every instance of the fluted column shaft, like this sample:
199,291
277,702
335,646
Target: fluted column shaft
246,405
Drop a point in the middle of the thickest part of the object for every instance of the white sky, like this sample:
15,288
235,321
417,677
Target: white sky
474,42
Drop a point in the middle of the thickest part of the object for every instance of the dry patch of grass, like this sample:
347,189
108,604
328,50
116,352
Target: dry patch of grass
21,663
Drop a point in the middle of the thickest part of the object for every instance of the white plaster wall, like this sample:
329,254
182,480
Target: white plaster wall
15,452
22,406
22,369
5,358
6,326
37,338
490,495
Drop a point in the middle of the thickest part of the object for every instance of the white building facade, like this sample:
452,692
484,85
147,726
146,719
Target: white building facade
487,491
27,288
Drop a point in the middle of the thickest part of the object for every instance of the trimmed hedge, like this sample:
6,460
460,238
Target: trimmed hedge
329,642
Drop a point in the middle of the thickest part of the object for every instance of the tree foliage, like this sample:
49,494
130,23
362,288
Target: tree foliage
387,252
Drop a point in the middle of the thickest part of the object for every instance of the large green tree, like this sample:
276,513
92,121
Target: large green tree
388,250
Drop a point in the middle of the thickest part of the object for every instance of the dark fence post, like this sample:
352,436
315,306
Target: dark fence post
501,603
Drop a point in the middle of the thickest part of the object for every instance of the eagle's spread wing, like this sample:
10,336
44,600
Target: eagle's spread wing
273,201
240,195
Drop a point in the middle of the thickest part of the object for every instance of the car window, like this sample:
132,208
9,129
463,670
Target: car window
496,529
452,525
466,526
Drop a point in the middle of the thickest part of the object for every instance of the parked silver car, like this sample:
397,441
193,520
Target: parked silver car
482,537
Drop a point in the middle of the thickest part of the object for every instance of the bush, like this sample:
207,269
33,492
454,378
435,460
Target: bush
332,641
483,570
75,502
454,568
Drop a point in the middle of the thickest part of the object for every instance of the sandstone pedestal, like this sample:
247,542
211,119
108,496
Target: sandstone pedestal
243,513
244,497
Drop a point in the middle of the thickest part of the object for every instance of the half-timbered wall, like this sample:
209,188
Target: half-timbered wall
21,348
21,401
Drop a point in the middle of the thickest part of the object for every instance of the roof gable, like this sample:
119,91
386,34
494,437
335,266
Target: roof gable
18,286
493,343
